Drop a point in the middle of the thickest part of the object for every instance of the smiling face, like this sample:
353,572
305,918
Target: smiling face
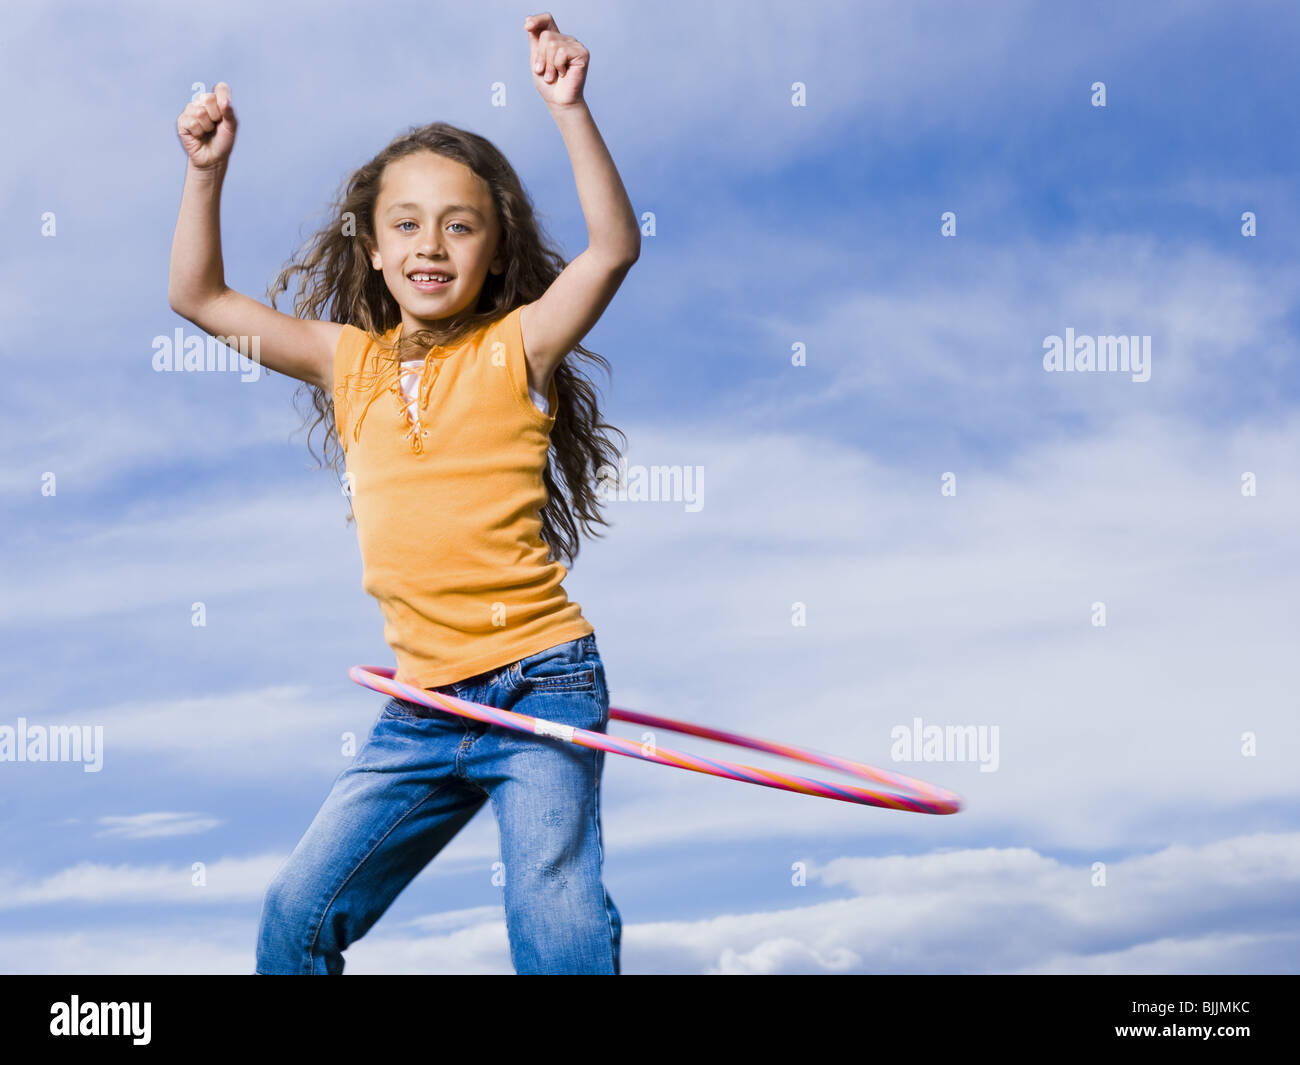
434,216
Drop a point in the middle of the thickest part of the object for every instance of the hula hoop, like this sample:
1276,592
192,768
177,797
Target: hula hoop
925,798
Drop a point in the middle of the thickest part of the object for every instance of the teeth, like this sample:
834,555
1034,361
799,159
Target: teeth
430,277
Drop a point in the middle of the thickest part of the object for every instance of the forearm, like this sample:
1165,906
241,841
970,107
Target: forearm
612,230
197,273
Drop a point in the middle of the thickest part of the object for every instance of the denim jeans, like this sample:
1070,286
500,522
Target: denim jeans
418,779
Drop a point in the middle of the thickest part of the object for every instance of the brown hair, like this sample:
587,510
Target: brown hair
340,284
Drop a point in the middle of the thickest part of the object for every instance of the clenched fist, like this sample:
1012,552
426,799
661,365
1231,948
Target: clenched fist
559,61
207,128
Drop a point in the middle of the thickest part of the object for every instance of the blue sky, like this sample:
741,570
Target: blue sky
775,225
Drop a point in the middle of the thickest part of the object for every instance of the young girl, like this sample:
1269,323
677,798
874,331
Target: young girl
434,261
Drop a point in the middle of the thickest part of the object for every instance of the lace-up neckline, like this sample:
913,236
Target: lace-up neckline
430,365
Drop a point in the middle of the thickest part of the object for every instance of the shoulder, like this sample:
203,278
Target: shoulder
501,338
353,338
508,326
353,345
353,351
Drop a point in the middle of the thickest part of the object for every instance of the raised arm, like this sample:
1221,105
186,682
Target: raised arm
196,285
575,300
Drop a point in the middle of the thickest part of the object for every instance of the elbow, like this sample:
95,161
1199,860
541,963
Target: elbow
618,256
178,299
623,260
187,302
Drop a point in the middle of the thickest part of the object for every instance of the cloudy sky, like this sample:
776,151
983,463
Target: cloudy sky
1141,815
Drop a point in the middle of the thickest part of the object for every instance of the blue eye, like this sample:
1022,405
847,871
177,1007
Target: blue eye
408,222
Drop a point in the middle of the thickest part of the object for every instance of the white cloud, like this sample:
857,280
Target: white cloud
155,824
225,879
967,341
994,910
130,951
969,610
1010,910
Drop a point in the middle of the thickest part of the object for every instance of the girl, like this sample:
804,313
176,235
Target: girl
432,330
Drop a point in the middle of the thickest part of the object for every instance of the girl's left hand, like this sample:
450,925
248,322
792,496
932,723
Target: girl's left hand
558,61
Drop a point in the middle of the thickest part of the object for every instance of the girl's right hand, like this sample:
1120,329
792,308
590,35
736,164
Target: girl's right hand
207,128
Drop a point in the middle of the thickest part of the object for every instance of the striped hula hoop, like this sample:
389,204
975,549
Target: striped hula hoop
924,798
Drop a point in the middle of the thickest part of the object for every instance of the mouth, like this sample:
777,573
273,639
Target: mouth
429,280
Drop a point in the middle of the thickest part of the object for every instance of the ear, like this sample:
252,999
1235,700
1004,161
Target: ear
375,260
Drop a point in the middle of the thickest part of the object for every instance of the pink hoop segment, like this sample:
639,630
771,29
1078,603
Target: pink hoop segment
924,799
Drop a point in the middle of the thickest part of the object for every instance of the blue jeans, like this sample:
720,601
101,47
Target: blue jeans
418,779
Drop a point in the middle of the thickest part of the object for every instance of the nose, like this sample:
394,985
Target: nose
430,248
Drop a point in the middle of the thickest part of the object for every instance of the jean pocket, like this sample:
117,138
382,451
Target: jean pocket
566,679
567,667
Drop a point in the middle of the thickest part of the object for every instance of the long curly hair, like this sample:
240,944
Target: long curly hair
339,284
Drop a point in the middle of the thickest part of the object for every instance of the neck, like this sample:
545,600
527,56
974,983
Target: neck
440,327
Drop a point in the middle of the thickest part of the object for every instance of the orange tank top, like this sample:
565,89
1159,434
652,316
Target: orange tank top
447,505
